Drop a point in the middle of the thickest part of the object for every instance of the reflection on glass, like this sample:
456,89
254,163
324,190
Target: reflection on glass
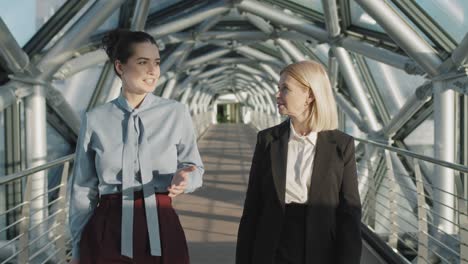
161,4
33,14
312,4
451,15
110,23
321,51
421,141
394,84
362,19
57,147
69,24
410,23
78,89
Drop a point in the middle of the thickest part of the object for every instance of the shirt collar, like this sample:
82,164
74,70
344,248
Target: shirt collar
311,137
123,102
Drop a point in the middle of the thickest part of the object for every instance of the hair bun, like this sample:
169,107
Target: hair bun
111,40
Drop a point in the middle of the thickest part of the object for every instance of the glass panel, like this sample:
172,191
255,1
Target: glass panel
110,23
421,141
409,22
57,147
451,15
352,129
69,24
321,51
33,14
78,89
361,19
161,4
315,5
393,84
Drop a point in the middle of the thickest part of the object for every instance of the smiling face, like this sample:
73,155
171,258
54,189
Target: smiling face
292,98
141,71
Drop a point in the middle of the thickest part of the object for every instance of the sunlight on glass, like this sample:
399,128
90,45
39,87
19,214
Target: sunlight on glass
451,15
33,15
312,4
362,19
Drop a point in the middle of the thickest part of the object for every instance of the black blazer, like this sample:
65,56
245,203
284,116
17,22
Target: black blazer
334,208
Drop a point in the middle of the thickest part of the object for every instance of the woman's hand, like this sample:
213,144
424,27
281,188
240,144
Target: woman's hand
179,181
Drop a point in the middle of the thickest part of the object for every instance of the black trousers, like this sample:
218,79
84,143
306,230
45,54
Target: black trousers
291,249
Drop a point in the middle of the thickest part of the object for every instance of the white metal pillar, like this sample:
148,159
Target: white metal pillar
186,94
356,88
169,87
444,149
36,154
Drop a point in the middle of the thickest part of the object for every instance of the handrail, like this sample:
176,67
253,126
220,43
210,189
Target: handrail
27,172
454,166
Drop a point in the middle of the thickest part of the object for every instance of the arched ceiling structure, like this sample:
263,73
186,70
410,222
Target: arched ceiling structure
397,69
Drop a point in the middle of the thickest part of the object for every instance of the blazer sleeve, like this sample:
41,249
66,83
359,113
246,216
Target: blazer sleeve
252,206
348,219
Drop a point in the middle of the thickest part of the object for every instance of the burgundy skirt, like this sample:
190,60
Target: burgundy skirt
100,239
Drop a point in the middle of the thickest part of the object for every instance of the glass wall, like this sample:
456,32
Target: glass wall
33,14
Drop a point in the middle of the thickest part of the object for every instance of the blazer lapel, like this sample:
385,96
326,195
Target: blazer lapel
279,157
325,149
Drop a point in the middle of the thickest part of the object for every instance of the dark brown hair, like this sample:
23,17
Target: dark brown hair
118,44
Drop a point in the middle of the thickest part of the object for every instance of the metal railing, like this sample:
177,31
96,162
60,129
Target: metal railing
48,241
397,206
43,242
400,208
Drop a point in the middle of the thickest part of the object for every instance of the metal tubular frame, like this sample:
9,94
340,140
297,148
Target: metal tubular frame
277,16
169,88
65,47
444,149
80,63
356,88
11,54
259,85
190,19
415,46
36,153
412,105
460,54
140,15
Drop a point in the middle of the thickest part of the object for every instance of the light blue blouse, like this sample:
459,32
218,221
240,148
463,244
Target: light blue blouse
121,149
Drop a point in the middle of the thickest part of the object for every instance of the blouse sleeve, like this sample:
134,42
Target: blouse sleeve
187,153
83,186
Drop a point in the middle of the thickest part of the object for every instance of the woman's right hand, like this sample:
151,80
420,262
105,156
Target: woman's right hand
75,261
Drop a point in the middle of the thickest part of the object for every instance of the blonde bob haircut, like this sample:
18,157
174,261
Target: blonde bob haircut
313,77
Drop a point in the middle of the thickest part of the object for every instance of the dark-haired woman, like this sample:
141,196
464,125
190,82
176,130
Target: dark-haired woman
134,154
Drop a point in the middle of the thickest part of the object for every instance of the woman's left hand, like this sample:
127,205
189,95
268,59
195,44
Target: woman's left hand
179,181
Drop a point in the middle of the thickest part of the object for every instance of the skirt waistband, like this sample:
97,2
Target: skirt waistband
137,195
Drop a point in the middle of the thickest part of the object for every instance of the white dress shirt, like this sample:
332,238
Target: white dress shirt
301,152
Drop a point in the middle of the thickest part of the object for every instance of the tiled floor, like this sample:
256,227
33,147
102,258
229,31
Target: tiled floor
210,216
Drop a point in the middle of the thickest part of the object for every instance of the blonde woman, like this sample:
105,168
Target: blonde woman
302,204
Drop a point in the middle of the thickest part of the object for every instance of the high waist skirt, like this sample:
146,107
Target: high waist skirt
292,245
100,240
